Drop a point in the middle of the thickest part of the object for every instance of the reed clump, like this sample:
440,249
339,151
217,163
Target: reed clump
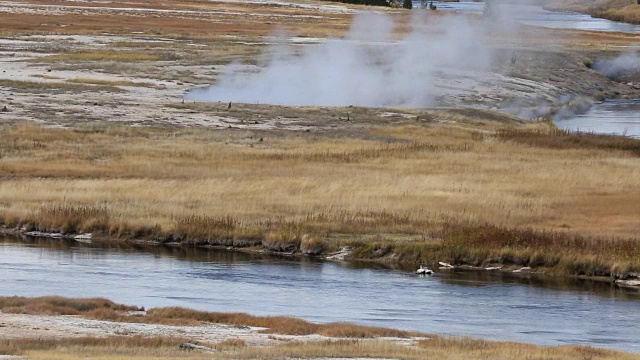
103,309
66,218
56,305
113,344
276,324
482,245
563,139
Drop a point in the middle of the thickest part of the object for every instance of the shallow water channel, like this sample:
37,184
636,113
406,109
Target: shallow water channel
610,117
478,304
536,16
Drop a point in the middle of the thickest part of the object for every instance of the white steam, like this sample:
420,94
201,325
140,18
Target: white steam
367,68
620,67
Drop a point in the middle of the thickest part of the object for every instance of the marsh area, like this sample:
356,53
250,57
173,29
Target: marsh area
189,124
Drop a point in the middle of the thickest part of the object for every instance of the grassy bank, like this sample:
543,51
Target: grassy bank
102,309
353,344
617,10
468,190
167,348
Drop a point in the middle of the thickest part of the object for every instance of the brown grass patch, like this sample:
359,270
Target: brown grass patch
564,139
100,56
117,344
108,82
206,187
72,219
207,20
136,347
103,309
616,10
56,305
277,324
436,347
53,86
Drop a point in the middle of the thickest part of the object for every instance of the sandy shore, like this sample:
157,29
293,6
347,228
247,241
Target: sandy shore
17,326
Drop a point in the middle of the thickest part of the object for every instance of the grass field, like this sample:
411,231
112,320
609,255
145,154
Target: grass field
163,348
464,192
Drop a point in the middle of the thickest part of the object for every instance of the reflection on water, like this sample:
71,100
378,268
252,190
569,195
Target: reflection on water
536,16
480,304
615,117
463,6
456,277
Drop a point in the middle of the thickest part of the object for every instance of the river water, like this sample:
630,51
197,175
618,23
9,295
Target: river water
478,304
610,117
536,16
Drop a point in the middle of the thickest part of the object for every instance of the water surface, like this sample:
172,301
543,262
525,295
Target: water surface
535,15
475,304
614,117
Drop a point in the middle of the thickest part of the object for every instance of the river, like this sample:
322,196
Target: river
620,117
535,15
478,304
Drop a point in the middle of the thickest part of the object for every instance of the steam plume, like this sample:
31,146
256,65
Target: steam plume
367,68
620,67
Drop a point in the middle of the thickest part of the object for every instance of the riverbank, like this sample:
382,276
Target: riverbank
104,142
617,10
462,187
42,328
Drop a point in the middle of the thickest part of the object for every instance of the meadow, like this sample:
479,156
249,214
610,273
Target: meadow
464,190
167,348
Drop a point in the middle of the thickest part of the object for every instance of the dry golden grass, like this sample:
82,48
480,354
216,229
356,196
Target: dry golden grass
617,10
563,139
92,81
228,18
629,14
229,188
172,177
20,85
56,305
435,348
275,324
112,347
136,347
103,309
100,56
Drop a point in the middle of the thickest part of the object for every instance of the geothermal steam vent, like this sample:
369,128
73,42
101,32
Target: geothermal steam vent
367,68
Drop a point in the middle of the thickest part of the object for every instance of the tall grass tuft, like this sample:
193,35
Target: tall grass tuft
113,344
564,139
56,305
72,218
276,324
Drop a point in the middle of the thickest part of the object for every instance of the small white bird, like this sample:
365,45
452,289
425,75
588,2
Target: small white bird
424,271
